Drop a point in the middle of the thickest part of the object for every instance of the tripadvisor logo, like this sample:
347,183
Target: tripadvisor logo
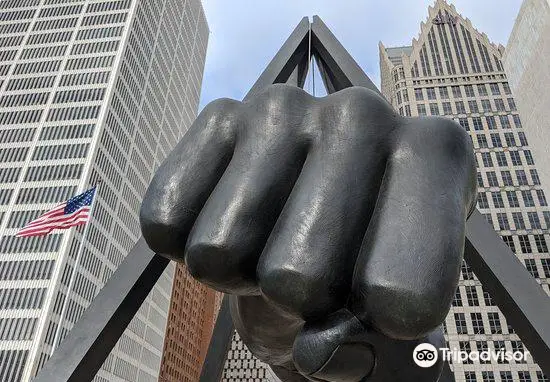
426,355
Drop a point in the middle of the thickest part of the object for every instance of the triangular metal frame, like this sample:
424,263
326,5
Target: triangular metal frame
523,302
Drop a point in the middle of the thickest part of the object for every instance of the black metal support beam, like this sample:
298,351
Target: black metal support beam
517,294
212,368
81,354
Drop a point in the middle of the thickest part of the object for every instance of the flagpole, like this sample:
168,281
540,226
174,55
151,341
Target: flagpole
73,273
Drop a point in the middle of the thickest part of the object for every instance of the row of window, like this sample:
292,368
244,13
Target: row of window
60,11
5,197
460,108
14,28
16,135
113,18
26,99
14,244
97,33
55,172
26,270
12,364
103,61
521,179
22,298
13,154
66,132
49,38
517,217
95,47
17,15
79,95
512,197
78,79
6,4
37,67
54,152
55,23
505,376
41,195
43,52
430,92
31,83
9,41
17,329
73,113
109,6
20,117
486,158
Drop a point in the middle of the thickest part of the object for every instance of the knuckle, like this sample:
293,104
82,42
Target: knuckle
297,293
220,268
404,314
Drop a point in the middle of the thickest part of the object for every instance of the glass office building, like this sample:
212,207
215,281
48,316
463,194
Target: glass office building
90,91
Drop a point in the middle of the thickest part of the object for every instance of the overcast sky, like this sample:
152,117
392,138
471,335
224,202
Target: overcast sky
246,34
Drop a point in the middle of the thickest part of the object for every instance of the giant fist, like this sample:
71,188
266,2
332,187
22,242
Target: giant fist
336,225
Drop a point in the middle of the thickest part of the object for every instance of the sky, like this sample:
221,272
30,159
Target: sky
246,34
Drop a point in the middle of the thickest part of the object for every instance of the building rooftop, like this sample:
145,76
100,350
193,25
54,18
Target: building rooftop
395,54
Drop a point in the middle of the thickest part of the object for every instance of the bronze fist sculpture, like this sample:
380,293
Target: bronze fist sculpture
336,226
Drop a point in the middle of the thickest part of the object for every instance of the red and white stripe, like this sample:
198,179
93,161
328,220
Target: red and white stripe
55,219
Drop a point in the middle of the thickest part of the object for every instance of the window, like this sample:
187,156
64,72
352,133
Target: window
494,89
482,89
430,92
510,139
456,91
488,376
507,178
421,109
506,376
509,240
480,180
501,158
531,267
460,321
465,346
497,199
541,377
522,178
534,220
528,157
495,140
528,198
471,296
522,138
434,109
512,197
512,104
524,243
542,198
473,106
469,90
492,178
516,158
487,161
535,177
477,323
457,300
447,108
546,267
482,200
470,376
499,104
518,220
460,109
486,105
491,122
503,221
504,121
408,110
506,88
418,94
517,120
478,125
482,141
540,242
443,92
487,299
464,123
494,323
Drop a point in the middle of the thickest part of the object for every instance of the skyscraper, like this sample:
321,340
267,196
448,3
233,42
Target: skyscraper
193,311
90,90
526,64
453,70
242,366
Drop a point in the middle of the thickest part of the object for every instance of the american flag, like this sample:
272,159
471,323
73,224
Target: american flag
73,212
